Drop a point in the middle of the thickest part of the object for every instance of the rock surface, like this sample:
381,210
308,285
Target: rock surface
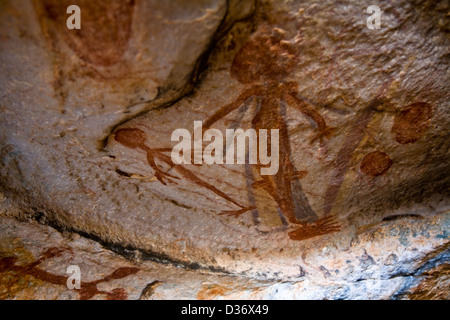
360,204
34,261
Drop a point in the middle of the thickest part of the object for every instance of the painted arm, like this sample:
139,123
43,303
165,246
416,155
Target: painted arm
222,112
294,101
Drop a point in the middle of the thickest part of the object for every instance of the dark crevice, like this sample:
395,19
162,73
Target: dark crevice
195,78
435,259
402,216
123,173
127,251
158,103
178,204
149,290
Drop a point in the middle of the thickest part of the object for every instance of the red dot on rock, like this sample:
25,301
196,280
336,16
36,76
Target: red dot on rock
412,122
376,163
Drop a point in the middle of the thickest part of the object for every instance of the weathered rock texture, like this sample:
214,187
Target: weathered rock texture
361,197
34,261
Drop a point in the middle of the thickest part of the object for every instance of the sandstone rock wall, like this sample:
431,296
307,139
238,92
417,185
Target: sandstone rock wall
362,191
